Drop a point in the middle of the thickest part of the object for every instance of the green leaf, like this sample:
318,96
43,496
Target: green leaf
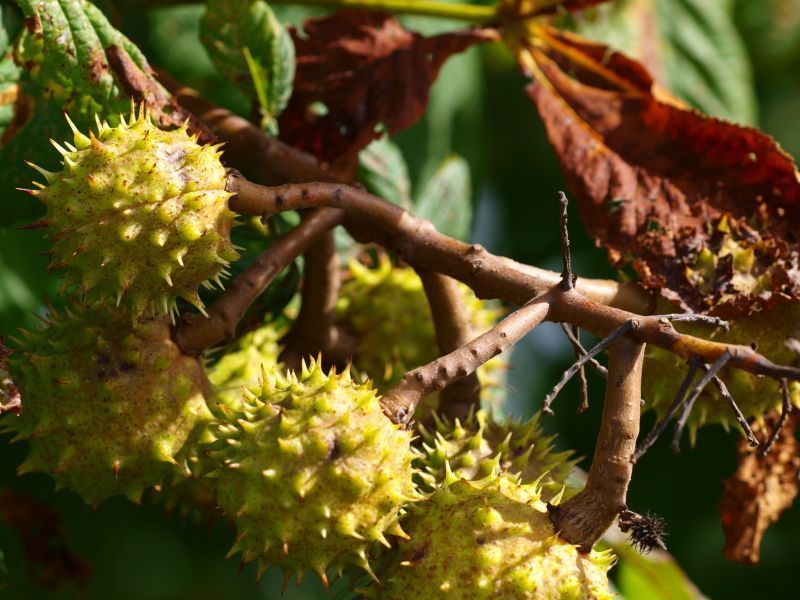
383,171
250,47
446,199
655,576
691,46
65,69
65,54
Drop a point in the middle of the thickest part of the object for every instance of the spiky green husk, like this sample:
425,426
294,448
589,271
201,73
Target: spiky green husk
139,215
312,472
190,493
480,446
387,309
108,404
489,539
756,396
241,366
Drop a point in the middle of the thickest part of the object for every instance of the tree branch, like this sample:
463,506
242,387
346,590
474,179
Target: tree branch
583,519
453,328
195,333
271,161
567,276
402,399
314,331
371,219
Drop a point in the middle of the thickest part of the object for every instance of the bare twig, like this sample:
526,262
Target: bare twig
593,305
695,318
195,333
737,413
576,366
786,409
580,350
723,359
661,425
402,399
584,383
567,276
453,329
581,520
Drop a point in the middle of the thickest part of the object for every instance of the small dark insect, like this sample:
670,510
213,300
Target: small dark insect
647,531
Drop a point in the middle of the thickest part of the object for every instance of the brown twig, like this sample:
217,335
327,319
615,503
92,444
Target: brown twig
402,399
723,359
195,333
662,423
592,305
453,329
583,519
737,413
262,157
567,276
572,336
584,383
270,161
582,360
314,331
786,409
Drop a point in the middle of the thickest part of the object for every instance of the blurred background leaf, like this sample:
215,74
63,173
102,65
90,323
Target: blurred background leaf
446,199
383,171
250,47
691,47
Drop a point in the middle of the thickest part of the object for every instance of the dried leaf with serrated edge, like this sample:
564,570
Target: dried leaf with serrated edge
761,489
360,73
703,209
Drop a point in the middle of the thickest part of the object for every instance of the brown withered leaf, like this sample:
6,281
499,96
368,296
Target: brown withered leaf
758,492
367,71
52,563
10,399
703,209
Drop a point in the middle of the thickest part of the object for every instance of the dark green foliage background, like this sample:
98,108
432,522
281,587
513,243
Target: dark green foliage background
478,110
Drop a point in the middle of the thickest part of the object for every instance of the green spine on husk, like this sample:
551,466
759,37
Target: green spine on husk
241,365
139,215
480,445
311,471
387,309
488,539
756,396
192,494
108,404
